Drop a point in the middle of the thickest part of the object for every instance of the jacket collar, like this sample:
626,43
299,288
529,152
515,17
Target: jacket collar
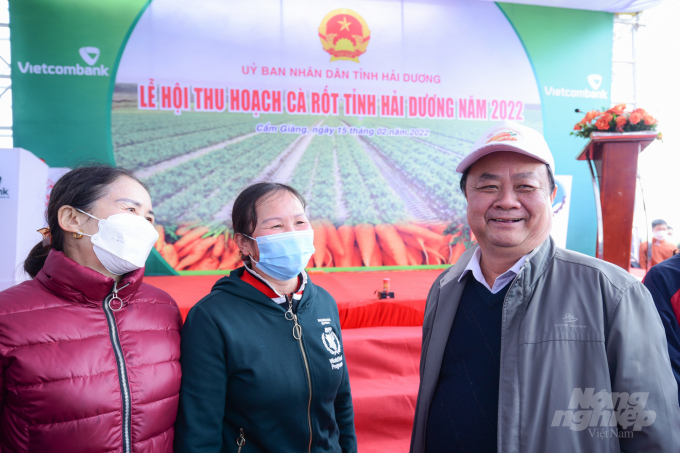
252,277
68,279
538,261
535,265
234,284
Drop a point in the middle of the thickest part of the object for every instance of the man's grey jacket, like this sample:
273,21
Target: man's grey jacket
582,347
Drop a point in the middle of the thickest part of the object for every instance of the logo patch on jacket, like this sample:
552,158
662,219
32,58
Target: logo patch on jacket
332,343
570,318
330,340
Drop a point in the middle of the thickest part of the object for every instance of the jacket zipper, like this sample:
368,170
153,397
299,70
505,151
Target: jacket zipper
241,441
297,334
120,361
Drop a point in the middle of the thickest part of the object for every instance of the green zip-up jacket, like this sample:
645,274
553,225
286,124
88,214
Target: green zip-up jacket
243,369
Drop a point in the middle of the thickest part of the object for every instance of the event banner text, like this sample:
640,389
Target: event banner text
178,98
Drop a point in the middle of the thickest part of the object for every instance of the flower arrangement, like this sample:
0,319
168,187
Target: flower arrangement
616,119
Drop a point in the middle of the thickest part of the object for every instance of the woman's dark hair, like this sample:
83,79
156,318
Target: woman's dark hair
464,177
79,188
244,212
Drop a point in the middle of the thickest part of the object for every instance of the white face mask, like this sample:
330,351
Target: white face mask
660,235
123,242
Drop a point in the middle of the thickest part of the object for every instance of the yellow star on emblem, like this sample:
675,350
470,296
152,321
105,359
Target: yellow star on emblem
344,24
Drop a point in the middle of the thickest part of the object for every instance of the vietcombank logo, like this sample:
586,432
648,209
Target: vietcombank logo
594,80
90,55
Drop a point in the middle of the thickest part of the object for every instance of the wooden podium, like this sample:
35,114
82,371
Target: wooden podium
612,159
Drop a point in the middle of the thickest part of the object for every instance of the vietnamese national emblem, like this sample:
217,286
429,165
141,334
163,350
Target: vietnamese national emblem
344,35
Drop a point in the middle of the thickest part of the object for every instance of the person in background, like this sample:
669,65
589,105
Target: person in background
525,344
89,354
663,282
262,357
662,249
670,233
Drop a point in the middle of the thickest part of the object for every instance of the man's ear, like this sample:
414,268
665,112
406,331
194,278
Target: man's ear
553,195
71,220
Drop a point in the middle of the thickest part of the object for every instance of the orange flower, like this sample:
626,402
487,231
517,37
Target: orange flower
621,121
649,120
642,112
591,116
617,109
607,117
578,127
635,117
602,124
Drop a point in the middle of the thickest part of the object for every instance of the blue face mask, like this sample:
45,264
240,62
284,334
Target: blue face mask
283,256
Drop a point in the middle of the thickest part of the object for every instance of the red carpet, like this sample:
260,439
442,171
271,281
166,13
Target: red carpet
383,364
354,293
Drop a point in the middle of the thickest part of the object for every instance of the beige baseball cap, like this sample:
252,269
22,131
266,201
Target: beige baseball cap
509,136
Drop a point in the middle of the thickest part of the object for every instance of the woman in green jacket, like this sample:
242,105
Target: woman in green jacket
262,361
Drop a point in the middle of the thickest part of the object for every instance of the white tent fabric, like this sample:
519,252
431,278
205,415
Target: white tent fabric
612,6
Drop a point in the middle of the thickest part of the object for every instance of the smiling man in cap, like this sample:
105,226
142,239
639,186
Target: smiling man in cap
531,348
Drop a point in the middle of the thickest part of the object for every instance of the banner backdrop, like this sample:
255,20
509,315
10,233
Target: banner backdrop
365,107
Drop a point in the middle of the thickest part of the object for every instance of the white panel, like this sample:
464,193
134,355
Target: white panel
9,202
22,206
561,210
31,209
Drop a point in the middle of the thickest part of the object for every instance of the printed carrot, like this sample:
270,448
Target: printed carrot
160,243
333,241
457,250
415,256
410,241
387,259
438,228
231,244
197,253
445,251
328,259
169,253
392,244
356,257
190,236
418,231
197,264
218,248
376,258
365,234
181,231
432,256
320,240
347,238
229,261
187,249
228,240
208,264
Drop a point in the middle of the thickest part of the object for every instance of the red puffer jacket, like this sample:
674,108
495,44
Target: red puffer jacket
76,376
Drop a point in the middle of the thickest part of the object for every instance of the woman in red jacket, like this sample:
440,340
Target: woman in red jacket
88,353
